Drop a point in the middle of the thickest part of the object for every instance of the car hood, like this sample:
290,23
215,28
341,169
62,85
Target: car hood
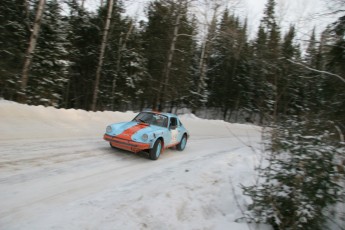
132,129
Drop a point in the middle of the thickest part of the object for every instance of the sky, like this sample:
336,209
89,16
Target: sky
304,14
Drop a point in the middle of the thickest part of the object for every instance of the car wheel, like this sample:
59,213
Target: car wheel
155,152
182,144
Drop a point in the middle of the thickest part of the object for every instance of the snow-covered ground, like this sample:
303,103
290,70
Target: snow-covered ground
56,172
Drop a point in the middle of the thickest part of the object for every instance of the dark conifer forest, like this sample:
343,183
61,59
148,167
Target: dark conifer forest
57,53
163,64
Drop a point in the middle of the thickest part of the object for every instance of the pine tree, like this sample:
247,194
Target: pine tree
258,72
291,84
48,79
179,84
266,66
124,67
156,34
228,76
311,93
199,91
334,88
272,55
163,37
310,56
101,55
14,34
300,181
31,50
83,44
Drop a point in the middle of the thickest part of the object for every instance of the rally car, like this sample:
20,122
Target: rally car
149,131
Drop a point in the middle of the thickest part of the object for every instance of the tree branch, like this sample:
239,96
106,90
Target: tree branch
316,70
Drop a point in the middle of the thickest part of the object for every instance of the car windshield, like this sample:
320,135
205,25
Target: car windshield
152,119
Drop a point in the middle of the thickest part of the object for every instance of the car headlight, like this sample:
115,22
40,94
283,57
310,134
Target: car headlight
109,129
144,137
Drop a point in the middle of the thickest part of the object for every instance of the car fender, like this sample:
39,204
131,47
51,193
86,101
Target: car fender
164,135
157,135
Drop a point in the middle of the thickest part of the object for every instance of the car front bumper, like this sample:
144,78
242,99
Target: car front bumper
125,144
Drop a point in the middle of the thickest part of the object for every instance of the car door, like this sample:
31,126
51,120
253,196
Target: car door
175,131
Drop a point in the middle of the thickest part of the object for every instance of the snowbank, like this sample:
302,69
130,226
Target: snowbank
20,121
56,172
31,122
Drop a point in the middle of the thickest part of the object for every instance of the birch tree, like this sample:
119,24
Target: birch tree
48,69
101,55
170,56
206,49
168,46
122,47
31,48
229,81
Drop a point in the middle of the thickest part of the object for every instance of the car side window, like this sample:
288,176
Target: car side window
173,122
160,120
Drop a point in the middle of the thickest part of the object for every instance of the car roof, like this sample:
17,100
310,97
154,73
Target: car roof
157,112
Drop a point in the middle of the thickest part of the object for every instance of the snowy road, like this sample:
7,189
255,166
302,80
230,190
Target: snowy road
81,183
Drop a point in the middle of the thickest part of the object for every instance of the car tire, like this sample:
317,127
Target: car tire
182,144
156,151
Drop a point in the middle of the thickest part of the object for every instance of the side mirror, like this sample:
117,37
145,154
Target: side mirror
173,127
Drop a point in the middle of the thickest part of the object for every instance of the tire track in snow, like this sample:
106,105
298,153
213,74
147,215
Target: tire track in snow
86,173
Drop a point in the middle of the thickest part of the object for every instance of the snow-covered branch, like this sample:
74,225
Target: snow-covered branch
316,70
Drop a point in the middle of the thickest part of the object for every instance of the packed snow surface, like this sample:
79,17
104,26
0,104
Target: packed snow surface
56,172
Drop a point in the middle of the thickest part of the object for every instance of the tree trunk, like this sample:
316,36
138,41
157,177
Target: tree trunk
204,59
122,47
101,55
206,48
166,71
203,65
31,49
225,112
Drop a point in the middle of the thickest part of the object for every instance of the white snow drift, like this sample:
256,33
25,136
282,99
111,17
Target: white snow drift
56,172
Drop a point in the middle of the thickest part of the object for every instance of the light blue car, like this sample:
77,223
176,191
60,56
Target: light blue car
149,131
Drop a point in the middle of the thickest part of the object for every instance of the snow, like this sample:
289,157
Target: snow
56,172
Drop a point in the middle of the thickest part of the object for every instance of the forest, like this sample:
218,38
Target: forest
103,60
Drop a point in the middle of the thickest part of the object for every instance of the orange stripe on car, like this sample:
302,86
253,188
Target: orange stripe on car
128,133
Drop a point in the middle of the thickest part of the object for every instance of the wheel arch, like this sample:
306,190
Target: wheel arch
185,134
159,138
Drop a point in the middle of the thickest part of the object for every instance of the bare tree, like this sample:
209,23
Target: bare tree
101,55
122,47
167,67
31,48
206,49
335,6
209,11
